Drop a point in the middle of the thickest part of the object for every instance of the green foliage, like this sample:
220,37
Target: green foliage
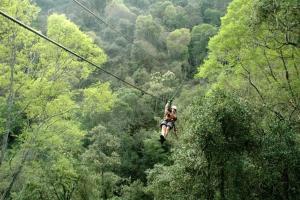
67,33
177,43
250,57
153,152
169,183
42,87
99,97
206,149
175,17
158,9
116,9
23,10
145,54
212,16
135,191
138,3
102,151
147,29
200,36
69,131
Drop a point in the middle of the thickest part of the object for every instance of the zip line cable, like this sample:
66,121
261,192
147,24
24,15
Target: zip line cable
72,52
121,34
101,20
177,91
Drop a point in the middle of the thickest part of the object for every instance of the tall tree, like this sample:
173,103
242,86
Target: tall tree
13,59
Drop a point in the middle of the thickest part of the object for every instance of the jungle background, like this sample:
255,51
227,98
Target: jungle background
70,131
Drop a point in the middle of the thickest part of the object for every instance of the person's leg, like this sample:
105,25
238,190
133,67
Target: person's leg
167,131
163,129
169,127
162,135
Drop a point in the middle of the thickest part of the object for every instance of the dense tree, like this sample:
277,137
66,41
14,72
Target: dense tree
147,29
200,36
209,153
69,131
13,61
46,85
212,16
104,160
247,49
242,59
177,44
175,17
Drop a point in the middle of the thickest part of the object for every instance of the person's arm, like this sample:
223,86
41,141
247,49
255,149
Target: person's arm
167,107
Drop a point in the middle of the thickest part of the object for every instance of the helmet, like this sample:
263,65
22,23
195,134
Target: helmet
174,107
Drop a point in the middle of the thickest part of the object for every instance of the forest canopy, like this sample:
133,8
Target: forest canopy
72,130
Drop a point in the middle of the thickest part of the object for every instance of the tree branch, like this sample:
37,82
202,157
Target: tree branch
288,78
6,194
270,67
252,84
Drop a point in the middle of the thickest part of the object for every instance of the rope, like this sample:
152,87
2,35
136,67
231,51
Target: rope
110,26
176,92
101,20
73,53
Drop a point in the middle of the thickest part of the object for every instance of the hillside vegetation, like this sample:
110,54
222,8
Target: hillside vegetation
71,131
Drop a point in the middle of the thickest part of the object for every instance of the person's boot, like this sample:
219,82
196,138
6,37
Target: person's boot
162,139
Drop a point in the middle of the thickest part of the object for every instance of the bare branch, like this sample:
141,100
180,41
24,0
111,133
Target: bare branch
270,67
252,84
287,77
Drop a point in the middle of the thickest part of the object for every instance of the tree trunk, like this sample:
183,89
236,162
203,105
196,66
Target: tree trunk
210,189
285,180
222,183
7,193
10,103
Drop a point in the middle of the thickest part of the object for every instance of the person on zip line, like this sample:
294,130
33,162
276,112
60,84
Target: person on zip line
168,121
